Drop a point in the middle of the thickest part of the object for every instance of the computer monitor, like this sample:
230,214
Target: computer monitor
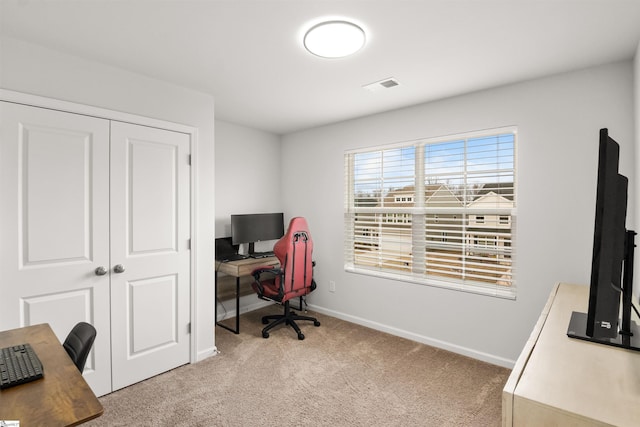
612,260
251,228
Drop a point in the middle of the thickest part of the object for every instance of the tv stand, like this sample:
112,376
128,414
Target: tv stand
560,381
629,340
628,333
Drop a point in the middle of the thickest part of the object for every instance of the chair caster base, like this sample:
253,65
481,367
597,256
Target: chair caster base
289,318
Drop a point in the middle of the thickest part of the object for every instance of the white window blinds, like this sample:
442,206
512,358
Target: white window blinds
438,212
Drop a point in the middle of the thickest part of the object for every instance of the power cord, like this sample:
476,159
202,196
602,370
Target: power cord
224,316
218,301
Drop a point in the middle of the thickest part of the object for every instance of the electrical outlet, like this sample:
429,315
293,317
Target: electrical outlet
332,286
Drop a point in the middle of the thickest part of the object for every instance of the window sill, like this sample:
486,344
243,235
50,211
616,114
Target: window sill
505,292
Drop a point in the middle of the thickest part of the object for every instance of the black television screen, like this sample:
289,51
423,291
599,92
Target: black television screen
612,259
251,228
608,243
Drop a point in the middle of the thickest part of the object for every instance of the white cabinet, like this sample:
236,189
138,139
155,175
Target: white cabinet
82,193
562,381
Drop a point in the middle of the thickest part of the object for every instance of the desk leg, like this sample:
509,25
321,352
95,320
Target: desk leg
215,302
237,330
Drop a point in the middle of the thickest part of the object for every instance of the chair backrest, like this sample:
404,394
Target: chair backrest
79,342
294,250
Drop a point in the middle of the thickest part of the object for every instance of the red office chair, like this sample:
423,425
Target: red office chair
293,279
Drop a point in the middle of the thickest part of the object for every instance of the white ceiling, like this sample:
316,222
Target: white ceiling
248,53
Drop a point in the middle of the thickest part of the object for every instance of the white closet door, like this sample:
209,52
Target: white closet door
150,231
54,226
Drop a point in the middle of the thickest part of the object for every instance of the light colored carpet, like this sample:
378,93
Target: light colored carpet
342,374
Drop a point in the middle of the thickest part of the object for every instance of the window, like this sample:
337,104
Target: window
404,199
438,212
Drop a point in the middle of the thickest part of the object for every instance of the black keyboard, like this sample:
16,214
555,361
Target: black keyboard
259,255
19,364
234,257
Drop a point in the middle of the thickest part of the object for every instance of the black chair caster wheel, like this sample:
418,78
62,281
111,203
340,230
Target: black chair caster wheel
300,336
316,323
265,334
265,321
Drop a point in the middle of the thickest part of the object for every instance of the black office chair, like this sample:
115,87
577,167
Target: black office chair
79,342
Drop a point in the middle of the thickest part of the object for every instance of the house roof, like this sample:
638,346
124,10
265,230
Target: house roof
503,189
430,195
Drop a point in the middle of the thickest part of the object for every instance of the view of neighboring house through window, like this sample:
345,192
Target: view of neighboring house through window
437,211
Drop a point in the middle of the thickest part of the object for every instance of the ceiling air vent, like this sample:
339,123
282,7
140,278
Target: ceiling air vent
387,83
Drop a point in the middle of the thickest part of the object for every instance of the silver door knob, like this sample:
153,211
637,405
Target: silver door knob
118,268
100,271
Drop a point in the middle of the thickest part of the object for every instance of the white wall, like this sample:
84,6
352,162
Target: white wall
247,173
558,119
636,73
248,170
32,69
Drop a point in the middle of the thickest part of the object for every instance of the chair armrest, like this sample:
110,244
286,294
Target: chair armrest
257,272
265,269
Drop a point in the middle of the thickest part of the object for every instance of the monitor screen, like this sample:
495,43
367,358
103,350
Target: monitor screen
251,228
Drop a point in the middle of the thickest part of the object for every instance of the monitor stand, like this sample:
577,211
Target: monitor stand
578,327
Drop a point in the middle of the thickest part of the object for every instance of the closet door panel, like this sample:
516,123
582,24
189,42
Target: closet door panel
150,231
54,187
153,197
54,179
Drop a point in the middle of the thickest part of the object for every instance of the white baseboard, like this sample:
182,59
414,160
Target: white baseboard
205,354
485,357
244,308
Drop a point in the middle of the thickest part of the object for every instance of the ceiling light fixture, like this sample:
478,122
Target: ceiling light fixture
334,39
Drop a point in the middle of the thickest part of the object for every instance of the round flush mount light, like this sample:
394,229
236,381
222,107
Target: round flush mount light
334,39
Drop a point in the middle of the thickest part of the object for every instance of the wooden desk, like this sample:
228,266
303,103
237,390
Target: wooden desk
61,398
561,381
238,269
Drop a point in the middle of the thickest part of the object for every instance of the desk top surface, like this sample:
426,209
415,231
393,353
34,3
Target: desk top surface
593,382
61,398
244,267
